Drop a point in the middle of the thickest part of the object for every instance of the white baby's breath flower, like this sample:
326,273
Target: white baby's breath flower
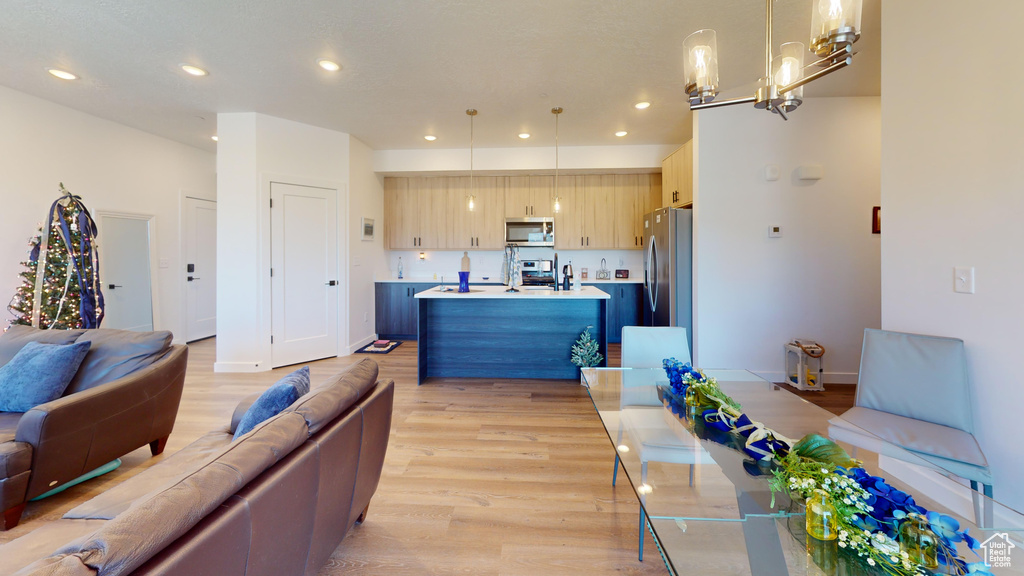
842,544
871,561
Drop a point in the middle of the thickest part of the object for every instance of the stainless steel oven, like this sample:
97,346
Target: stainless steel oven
530,231
538,273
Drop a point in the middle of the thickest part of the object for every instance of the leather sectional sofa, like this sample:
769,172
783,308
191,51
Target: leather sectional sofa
125,395
277,501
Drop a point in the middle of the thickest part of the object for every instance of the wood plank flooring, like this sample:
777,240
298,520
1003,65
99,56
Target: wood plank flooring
482,477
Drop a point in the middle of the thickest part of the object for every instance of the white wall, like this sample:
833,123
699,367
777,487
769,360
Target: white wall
952,181
820,280
368,259
252,150
504,160
112,167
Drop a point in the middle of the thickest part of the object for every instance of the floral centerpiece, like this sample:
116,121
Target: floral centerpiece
868,511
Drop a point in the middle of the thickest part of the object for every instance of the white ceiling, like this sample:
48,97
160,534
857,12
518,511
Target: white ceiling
409,67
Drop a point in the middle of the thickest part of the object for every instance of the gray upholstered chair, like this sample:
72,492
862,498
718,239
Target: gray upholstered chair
642,415
914,403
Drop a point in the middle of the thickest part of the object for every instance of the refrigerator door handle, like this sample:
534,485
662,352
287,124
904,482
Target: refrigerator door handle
651,273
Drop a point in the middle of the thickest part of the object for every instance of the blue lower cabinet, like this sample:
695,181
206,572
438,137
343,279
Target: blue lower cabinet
624,307
395,309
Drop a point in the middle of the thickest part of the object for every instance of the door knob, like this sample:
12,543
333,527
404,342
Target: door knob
112,286
191,278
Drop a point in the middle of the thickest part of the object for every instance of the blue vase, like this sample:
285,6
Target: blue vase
463,281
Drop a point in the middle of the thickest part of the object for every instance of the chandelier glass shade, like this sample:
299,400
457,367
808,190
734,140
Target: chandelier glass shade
558,200
835,26
471,195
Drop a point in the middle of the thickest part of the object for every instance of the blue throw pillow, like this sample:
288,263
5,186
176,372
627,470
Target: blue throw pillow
39,373
275,399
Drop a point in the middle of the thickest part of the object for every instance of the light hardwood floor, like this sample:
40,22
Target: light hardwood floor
482,477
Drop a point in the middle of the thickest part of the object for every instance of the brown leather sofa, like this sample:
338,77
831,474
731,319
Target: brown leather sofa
277,501
125,395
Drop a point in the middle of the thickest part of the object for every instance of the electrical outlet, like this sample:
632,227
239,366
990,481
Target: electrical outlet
963,279
775,231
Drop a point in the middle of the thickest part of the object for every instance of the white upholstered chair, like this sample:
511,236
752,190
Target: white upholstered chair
642,415
914,402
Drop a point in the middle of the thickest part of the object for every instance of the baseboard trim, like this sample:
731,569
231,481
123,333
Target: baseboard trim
240,367
360,343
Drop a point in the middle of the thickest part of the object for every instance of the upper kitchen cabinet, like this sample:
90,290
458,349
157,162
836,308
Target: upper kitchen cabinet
481,226
677,177
569,218
415,212
628,203
529,196
599,211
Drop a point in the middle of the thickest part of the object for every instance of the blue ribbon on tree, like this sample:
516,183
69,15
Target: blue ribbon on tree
91,301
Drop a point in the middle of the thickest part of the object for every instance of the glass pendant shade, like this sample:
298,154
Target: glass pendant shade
787,68
834,22
700,65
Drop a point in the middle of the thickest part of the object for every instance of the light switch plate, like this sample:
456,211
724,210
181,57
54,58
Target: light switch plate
963,279
775,231
772,172
164,263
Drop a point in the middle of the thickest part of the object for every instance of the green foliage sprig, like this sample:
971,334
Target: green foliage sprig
585,352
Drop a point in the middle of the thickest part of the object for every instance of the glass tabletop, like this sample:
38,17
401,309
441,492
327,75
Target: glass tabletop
708,503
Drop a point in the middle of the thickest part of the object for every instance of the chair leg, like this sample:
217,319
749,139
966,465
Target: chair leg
157,446
615,473
12,516
362,515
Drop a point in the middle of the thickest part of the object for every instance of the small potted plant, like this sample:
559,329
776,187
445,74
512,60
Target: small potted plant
585,352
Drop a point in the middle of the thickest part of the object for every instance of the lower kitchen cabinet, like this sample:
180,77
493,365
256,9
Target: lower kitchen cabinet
624,307
395,309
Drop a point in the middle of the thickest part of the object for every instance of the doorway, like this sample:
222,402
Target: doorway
304,273
199,228
126,270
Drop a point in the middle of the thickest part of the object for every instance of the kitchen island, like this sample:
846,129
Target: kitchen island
490,333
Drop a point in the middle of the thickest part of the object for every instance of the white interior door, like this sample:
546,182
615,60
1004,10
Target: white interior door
304,281
125,272
200,231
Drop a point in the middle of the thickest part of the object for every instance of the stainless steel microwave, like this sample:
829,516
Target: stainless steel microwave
530,231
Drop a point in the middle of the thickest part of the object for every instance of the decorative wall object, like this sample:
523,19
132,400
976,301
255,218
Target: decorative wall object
367,227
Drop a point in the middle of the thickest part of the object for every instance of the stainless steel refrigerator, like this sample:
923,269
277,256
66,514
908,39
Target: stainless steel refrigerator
668,269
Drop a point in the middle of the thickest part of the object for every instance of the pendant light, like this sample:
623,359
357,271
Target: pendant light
835,26
558,201
471,198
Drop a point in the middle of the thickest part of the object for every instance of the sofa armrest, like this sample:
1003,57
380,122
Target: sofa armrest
80,432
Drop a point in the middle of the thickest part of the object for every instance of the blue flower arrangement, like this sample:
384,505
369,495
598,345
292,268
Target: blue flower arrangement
869,509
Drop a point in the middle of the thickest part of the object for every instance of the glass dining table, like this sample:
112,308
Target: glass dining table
708,505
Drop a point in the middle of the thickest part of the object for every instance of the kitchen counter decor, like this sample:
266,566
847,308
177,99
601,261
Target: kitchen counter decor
869,513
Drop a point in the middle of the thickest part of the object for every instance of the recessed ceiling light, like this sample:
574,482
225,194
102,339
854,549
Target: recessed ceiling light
194,70
328,65
621,133
642,105
430,137
215,138
63,75
524,135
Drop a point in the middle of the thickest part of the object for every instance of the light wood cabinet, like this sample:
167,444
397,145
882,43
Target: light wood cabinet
677,177
416,212
596,211
481,228
529,196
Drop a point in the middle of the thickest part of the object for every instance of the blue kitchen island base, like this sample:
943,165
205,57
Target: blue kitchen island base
521,336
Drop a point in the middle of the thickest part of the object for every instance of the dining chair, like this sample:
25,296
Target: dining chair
914,402
642,415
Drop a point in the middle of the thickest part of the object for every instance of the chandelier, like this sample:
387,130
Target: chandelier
558,200
835,26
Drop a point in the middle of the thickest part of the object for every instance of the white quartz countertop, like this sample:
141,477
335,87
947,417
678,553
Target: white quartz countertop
455,280
498,292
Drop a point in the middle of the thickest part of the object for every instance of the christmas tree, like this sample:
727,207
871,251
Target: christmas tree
60,286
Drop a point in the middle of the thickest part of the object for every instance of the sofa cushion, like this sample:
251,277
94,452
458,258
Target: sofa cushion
157,478
17,336
15,458
38,373
116,548
9,425
116,353
336,395
42,541
275,399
